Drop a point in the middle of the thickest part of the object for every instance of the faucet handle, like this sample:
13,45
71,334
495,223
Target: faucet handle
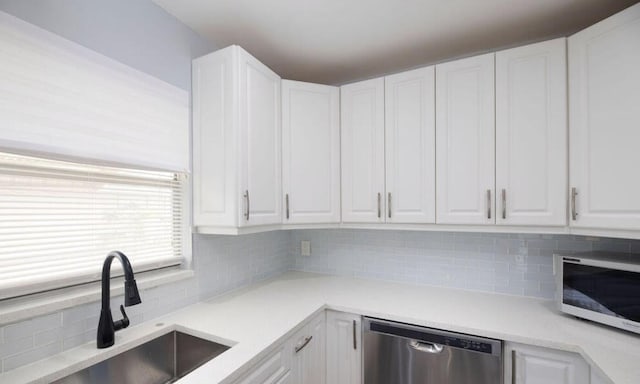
124,323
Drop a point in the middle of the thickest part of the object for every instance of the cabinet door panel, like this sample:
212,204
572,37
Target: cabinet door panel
311,152
536,365
344,356
604,86
410,146
465,141
362,112
531,134
214,140
260,127
308,352
314,356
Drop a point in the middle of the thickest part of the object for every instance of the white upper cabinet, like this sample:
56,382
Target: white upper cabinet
310,153
465,141
604,90
236,141
362,112
410,146
531,134
260,142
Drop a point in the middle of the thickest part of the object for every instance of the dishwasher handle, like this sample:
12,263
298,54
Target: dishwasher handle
426,347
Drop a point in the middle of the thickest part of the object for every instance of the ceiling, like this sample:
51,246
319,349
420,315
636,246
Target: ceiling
339,41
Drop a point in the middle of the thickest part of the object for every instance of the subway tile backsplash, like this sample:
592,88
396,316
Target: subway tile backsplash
516,264
222,264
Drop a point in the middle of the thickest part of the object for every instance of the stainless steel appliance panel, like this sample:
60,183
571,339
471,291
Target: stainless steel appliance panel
396,353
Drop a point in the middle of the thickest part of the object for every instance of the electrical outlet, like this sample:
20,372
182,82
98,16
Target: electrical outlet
305,248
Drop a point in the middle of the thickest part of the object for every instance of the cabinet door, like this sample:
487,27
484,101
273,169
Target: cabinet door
604,87
410,146
344,348
214,140
310,153
535,365
465,134
362,146
308,363
260,177
531,134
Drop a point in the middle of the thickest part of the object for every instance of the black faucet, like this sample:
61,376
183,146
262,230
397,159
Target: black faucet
107,327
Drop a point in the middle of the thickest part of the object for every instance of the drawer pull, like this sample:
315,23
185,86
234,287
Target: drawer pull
286,199
304,343
355,343
513,366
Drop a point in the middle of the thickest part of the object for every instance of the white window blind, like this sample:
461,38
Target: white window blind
58,221
58,97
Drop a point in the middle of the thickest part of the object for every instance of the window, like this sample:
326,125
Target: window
59,219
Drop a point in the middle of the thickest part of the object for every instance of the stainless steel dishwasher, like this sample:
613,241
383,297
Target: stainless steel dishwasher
397,353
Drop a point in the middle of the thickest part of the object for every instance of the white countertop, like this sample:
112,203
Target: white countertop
254,319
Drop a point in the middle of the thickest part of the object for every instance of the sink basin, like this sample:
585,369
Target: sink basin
164,359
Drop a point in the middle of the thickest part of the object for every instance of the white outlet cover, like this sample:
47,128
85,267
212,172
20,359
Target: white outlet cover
305,248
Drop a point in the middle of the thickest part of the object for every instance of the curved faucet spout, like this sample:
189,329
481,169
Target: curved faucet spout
106,325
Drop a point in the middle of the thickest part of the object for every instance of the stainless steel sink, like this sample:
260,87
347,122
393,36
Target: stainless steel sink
164,359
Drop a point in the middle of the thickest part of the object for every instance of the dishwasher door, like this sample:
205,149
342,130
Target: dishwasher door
396,353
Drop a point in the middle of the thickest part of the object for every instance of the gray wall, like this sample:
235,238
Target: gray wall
137,33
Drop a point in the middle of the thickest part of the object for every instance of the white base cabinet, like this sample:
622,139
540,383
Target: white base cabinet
299,360
526,364
328,350
344,348
308,353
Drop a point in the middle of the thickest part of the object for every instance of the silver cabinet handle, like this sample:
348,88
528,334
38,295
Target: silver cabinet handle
286,203
355,345
246,197
504,203
379,212
488,203
574,211
389,203
513,366
304,343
